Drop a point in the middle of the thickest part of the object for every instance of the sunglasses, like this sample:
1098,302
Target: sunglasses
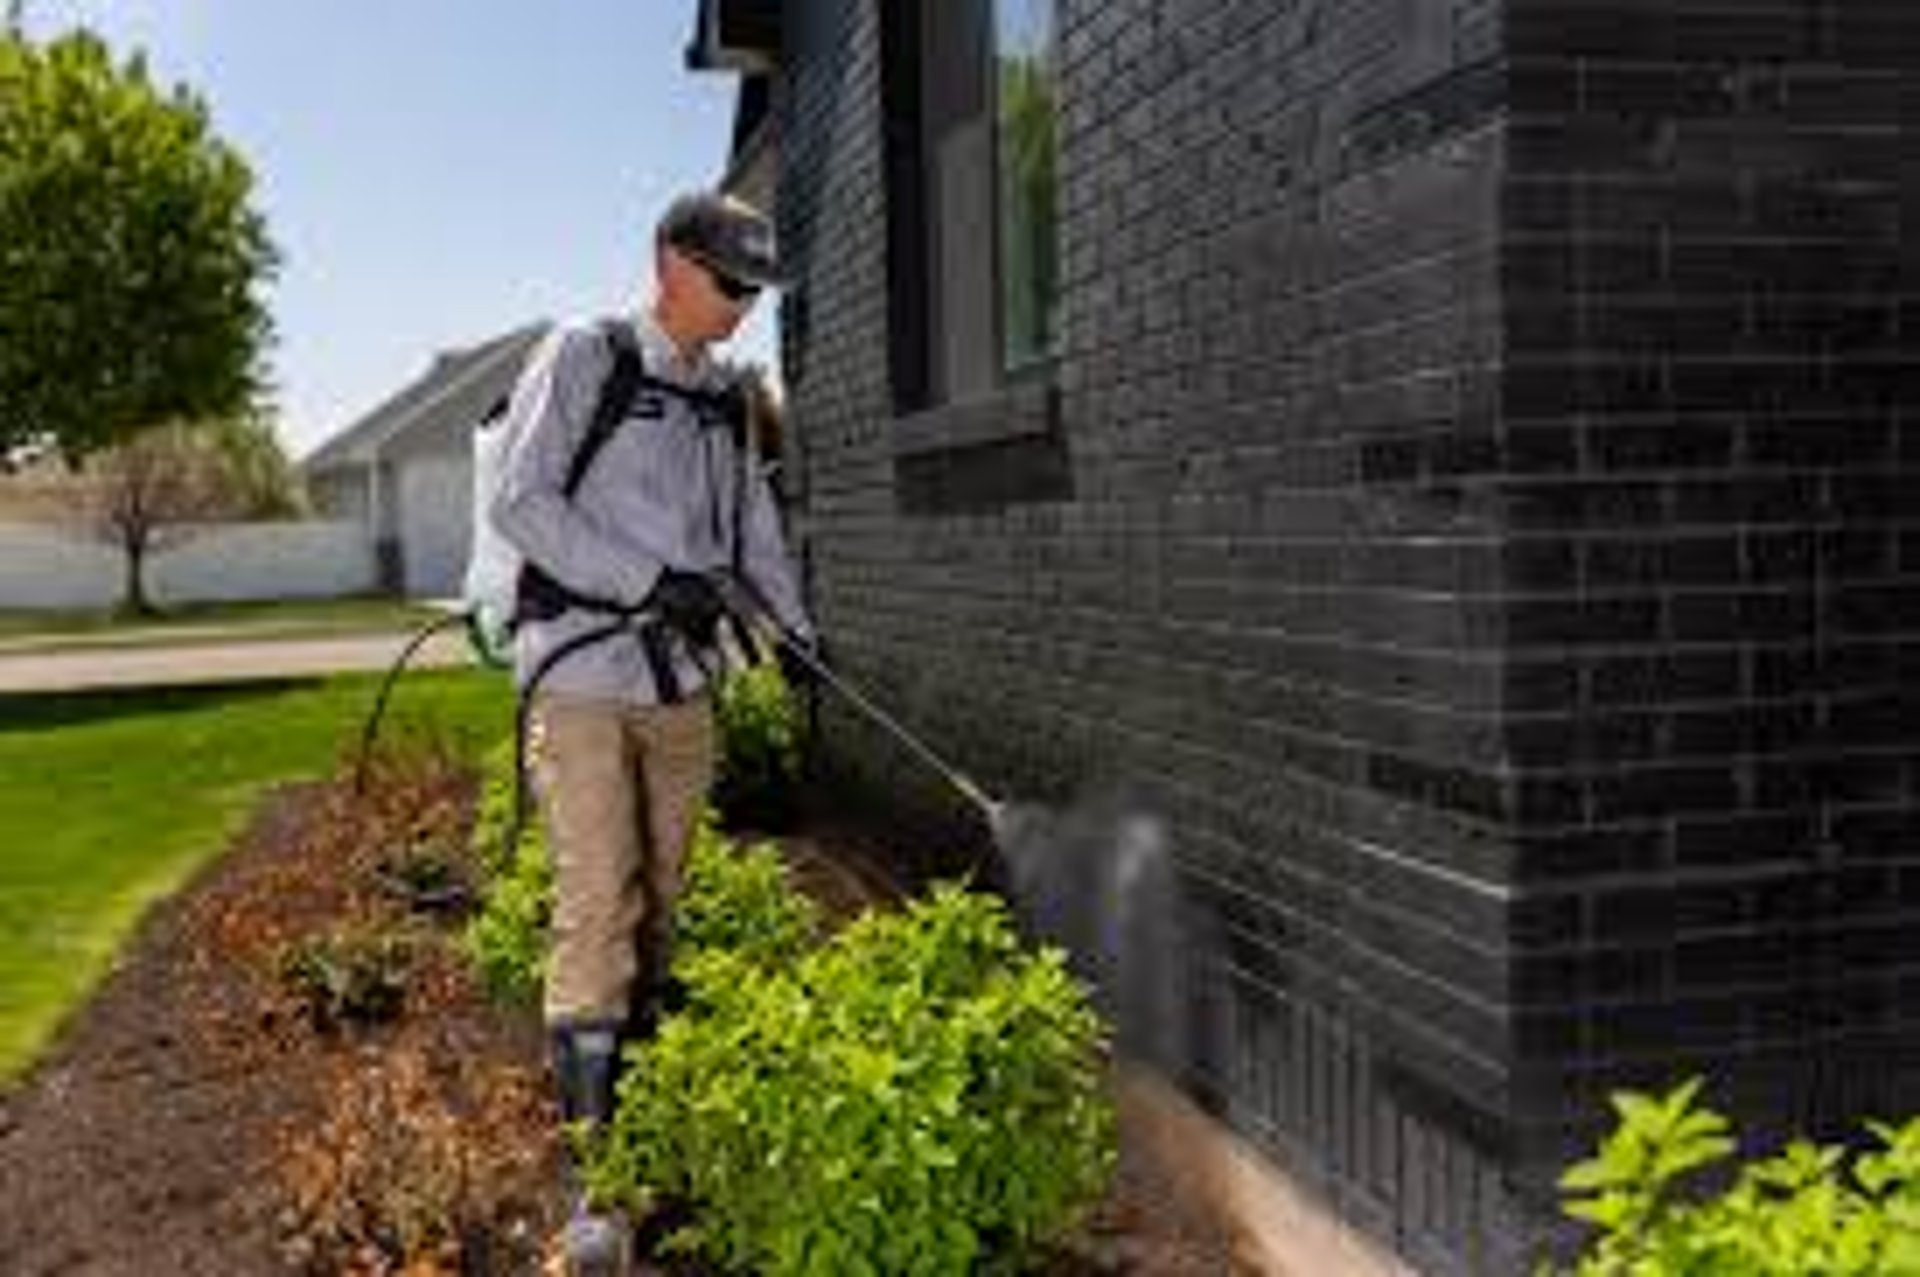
734,290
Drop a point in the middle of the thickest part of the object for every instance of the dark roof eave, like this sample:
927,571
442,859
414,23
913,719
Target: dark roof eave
738,61
735,35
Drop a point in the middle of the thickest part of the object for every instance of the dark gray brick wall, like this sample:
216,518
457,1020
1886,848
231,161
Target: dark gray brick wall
1482,544
1709,265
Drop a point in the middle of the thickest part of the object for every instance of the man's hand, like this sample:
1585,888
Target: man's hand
799,674
689,603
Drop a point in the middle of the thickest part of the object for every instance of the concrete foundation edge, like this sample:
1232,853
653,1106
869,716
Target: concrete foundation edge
1274,1226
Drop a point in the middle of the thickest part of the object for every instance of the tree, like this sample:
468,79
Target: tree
131,258
165,485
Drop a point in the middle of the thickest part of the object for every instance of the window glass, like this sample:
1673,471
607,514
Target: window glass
1025,148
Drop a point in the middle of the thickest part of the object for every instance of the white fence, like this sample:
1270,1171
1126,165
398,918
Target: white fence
44,567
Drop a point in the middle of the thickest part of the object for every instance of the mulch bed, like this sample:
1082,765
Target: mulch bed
195,1117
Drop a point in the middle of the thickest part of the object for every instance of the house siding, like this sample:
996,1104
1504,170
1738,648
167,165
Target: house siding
1478,539
435,499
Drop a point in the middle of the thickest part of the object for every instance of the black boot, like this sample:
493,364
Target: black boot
586,1062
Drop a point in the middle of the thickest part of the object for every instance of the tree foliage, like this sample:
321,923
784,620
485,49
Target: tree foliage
131,256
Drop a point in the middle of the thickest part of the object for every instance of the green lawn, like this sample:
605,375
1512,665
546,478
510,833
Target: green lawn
35,631
110,801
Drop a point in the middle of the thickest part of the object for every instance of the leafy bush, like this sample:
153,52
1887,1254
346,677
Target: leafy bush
737,900
916,1095
759,723
1808,1209
349,978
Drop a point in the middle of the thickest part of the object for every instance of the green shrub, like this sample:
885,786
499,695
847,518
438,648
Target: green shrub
759,767
916,1095
1808,1209
508,938
737,900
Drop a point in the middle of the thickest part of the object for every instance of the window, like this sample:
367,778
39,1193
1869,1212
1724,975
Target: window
1029,284
969,98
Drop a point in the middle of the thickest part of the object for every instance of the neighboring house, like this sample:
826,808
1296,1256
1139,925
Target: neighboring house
1451,461
405,471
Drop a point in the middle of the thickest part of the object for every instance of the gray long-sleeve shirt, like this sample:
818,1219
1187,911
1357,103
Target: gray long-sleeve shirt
660,494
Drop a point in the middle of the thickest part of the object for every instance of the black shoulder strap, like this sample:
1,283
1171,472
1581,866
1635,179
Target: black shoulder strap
714,408
616,398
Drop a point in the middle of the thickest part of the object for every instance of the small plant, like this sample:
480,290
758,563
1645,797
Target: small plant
917,1094
759,724
423,879
1807,1209
353,978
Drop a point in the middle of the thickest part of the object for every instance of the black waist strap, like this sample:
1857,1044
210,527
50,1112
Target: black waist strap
540,597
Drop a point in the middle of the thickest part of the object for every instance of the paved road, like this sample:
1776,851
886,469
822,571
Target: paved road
217,661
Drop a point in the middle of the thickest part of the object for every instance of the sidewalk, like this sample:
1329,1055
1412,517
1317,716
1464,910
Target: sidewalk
214,632
75,668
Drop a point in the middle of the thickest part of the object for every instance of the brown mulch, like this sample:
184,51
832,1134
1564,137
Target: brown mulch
195,1119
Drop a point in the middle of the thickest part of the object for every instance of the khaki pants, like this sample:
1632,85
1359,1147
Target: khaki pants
621,787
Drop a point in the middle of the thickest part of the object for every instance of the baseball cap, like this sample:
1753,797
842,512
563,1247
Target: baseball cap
725,234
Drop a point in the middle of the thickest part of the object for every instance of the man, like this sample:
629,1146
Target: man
622,740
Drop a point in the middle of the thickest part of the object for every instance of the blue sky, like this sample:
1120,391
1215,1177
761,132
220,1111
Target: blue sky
437,171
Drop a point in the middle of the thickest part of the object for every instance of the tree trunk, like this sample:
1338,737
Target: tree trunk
134,600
